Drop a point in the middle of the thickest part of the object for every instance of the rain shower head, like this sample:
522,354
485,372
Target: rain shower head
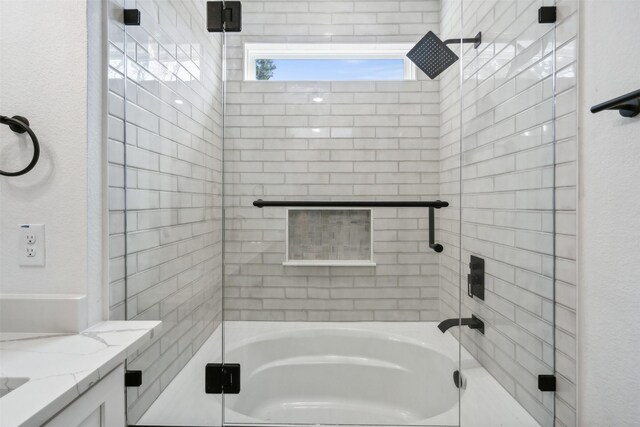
433,56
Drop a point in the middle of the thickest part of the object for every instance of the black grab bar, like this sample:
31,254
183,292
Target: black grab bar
628,105
437,204
352,204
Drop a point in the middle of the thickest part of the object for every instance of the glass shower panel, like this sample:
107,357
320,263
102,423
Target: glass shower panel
508,208
341,214
171,175
331,300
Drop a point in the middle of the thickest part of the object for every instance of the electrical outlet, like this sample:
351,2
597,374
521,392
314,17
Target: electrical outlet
31,245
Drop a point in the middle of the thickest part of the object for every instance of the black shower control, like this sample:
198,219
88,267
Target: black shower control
475,280
547,15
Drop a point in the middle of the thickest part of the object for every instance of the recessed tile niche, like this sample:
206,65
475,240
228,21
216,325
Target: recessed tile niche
331,237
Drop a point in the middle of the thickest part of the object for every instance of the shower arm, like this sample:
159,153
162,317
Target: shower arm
476,40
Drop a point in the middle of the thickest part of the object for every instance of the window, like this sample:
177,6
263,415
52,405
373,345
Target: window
301,61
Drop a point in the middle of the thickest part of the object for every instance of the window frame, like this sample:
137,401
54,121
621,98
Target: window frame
255,51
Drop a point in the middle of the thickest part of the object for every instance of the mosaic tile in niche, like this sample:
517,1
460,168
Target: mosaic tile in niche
329,234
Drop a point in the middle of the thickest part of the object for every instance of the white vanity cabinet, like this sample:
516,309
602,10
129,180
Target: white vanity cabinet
57,366
100,406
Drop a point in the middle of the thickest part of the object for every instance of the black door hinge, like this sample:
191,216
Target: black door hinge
219,378
224,16
547,382
133,378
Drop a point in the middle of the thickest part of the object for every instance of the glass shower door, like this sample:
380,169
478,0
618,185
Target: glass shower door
332,154
509,210
165,140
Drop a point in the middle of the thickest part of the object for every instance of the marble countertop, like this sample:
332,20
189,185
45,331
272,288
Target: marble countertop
60,367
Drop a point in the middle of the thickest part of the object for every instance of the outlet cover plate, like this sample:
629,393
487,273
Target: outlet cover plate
31,241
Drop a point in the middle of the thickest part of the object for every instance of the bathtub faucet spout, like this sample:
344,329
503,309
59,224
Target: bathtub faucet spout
472,322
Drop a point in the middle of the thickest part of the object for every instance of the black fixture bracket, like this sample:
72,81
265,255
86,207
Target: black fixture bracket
628,105
547,382
547,14
475,280
133,378
437,204
15,127
477,40
224,16
222,378
131,17
477,324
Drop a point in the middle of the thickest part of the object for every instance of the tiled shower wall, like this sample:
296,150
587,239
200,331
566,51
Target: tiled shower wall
507,172
364,141
170,124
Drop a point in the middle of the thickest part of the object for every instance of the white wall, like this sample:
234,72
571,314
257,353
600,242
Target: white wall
609,291
43,76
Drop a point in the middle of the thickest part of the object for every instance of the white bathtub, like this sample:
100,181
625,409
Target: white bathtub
342,375
338,373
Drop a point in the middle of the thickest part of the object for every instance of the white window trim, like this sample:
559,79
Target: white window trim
255,51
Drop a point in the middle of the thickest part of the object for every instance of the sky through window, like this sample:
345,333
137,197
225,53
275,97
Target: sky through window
338,69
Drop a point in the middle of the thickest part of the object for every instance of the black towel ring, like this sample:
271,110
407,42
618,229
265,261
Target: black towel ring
20,124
